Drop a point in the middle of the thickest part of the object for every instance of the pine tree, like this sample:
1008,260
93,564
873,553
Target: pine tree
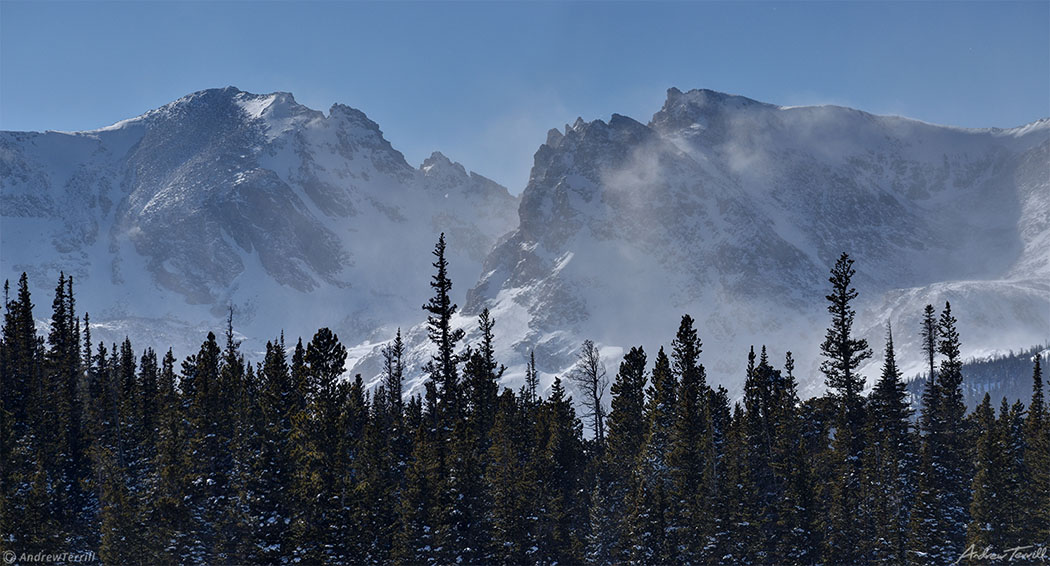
1012,427
394,370
6,424
562,525
1036,492
930,336
319,443
940,515
988,525
62,373
465,518
209,467
32,480
954,448
417,539
742,531
269,506
686,455
443,367
383,459
716,522
511,484
888,470
482,375
532,381
795,538
650,541
168,514
844,354
626,435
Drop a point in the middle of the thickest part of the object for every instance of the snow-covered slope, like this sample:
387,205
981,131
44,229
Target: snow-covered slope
224,198
733,211
722,207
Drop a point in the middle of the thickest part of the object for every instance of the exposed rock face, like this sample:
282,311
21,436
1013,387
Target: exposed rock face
734,210
722,207
228,198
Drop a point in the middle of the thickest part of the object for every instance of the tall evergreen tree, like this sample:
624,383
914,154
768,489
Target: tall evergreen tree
940,515
626,435
987,529
558,467
30,470
650,540
169,514
532,381
1012,425
929,333
466,528
210,467
843,354
686,452
394,370
955,446
416,541
319,445
888,463
443,367
512,483
794,540
1036,493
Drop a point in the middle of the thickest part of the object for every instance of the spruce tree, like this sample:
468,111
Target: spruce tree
62,373
562,525
626,435
1036,492
794,539
954,446
940,514
383,459
511,484
888,463
31,493
686,451
929,333
742,513
443,367
466,517
169,515
532,381
318,445
416,541
394,370
843,354
1012,433
988,527
650,540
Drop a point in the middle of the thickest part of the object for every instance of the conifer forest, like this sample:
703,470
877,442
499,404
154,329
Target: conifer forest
142,458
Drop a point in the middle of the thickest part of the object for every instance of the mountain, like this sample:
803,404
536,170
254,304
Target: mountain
726,208
223,198
733,211
1007,375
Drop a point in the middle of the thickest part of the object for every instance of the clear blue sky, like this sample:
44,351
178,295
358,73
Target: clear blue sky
483,82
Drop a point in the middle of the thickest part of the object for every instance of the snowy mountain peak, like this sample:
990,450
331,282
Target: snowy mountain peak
694,109
353,117
228,198
437,164
733,210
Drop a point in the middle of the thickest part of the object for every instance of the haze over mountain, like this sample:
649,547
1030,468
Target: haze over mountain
725,208
223,198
